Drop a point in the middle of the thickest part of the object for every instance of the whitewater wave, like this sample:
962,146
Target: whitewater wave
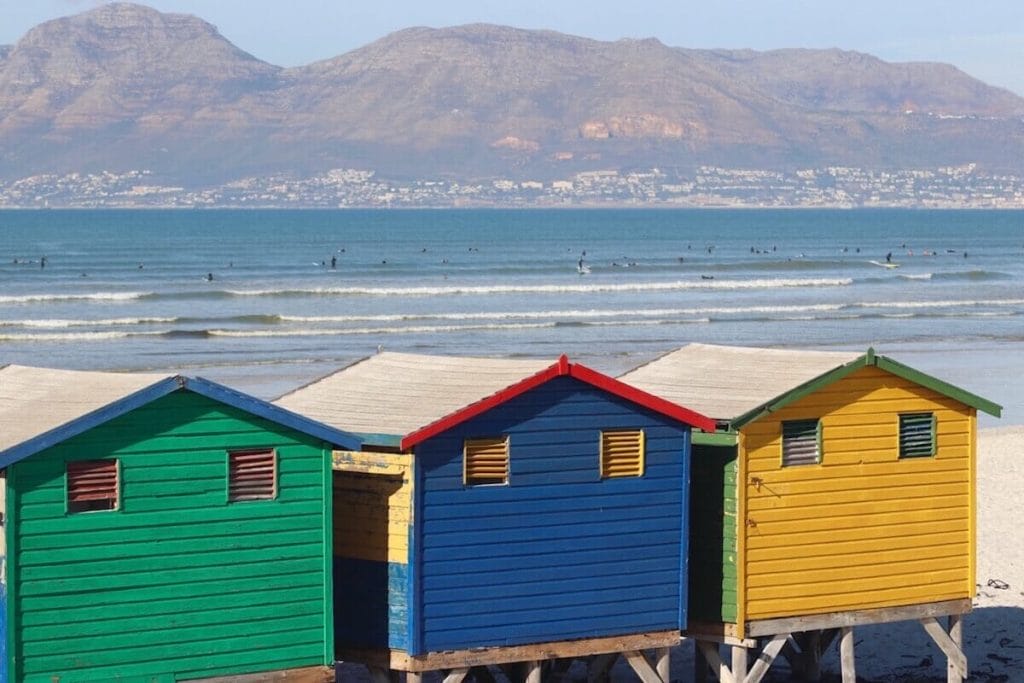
89,296
56,323
455,290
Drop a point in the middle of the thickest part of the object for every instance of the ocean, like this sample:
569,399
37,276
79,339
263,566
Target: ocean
266,300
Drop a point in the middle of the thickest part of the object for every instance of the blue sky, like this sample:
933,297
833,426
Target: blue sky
985,38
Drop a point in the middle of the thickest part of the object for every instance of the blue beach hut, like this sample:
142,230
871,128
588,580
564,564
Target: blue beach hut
161,528
504,511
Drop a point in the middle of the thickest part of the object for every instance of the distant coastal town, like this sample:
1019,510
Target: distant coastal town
957,187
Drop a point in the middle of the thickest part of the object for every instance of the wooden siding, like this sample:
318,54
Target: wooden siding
863,529
177,582
713,534
372,516
558,553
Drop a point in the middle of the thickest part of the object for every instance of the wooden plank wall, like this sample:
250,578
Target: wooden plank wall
863,529
372,514
177,581
557,553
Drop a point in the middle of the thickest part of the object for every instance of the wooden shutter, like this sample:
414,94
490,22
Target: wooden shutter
485,461
92,485
801,443
917,435
252,475
622,453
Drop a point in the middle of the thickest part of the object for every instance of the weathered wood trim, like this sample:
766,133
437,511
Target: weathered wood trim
954,654
312,674
727,634
368,462
765,658
885,615
400,660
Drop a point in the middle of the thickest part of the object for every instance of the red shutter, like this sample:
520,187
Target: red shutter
252,475
92,485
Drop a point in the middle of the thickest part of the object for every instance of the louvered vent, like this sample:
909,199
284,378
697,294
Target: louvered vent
486,461
917,435
622,453
252,475
92,485
801,444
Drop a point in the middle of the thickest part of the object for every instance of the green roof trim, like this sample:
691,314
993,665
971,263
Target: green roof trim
939,386
881,362
713,439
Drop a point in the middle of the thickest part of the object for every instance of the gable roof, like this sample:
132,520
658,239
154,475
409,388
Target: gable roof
739,384
40,407
414,396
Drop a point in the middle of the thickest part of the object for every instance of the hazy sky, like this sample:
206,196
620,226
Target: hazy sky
983,37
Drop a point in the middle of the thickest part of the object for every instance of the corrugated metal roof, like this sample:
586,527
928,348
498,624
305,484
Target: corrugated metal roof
725,382
34,401
398,393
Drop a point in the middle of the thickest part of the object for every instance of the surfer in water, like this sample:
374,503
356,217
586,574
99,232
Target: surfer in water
888,257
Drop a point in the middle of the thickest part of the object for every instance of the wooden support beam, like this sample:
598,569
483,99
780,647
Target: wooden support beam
740,663
957,661
640,664
533,671
846,661
663,663
765,658
413,677
956,634
710,652
817,622
456,675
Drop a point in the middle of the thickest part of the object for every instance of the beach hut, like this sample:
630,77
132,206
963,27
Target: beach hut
161,528
504,511
838,490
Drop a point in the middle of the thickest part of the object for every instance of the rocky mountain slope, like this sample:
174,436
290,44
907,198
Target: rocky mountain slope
125,87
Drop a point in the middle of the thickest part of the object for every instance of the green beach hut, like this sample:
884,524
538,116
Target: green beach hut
161,528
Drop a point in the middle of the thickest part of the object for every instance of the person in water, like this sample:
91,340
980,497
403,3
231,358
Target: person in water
209,277
888,257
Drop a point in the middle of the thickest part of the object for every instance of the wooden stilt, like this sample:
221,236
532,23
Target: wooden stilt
456,675
846,655
956,634
710,652
663,665
413,677
533,672
740,662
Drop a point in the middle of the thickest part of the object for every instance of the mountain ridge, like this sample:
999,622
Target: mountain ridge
124,86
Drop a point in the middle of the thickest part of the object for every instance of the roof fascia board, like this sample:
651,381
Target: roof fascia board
412,439
939,386
561,368
640,397
273,413
798,392
92,419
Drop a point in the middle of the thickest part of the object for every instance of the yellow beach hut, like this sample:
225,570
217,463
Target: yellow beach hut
838,490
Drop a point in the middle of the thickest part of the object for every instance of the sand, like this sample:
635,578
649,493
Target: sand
902,652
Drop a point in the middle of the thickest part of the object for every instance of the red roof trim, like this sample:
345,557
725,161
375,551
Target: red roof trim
560,369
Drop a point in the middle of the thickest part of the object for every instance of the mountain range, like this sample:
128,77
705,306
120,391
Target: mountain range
126,87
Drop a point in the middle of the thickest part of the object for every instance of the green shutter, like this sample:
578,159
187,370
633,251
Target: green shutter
801,442
917,435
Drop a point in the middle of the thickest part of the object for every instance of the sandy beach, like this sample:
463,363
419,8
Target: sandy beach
902,652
